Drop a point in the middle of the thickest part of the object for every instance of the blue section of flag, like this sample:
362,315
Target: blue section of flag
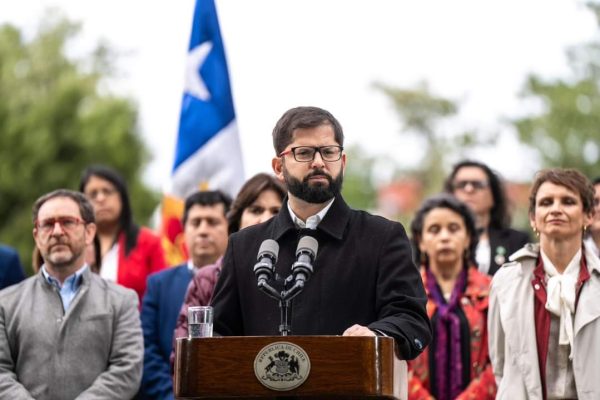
201,120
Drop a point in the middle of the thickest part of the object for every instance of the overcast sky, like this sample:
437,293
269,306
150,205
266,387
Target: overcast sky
328,53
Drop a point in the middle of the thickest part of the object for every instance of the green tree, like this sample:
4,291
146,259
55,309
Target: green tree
358,188
55,119
422,113
565,132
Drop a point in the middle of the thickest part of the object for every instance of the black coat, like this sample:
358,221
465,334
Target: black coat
503,243
363,274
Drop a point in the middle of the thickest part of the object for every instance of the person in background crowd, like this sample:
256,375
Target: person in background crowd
475,184
11,270
456,363
205,232
65,333
544,313
129,253
258,201
364,281
592,238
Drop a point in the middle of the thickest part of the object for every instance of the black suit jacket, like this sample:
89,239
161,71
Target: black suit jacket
11,271
503,243
363,274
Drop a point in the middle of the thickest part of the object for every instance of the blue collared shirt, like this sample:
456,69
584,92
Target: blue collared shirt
69,288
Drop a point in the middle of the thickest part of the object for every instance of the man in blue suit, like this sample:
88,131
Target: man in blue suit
205,234
11,271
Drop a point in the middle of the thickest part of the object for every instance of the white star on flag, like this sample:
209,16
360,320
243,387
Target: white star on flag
208,153
194,84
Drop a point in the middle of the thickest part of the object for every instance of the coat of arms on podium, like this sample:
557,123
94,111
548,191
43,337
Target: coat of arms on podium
281,366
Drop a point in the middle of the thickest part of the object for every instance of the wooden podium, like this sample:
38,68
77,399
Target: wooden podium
320,367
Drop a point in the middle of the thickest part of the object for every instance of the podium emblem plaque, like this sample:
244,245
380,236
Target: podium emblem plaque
282,366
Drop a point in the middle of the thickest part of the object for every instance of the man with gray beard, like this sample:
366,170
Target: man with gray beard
65,333
364,281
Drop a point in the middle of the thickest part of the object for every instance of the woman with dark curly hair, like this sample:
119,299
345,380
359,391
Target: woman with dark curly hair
456,363
476,185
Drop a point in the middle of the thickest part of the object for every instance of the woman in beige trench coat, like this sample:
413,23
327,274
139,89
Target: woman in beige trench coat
544,310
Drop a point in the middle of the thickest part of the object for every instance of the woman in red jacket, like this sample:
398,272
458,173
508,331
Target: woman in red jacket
129,252
456,364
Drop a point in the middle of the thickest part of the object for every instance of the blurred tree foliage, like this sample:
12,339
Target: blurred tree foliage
358,189
55,119
566,132
422,113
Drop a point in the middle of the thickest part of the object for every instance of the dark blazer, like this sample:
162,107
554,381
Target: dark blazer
11,271
161,304
363,274
503,243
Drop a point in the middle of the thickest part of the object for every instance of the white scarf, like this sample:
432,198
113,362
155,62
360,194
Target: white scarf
561,297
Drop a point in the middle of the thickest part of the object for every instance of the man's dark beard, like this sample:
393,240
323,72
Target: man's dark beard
316,193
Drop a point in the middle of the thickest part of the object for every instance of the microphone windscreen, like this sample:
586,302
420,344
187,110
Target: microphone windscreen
269,247
307,243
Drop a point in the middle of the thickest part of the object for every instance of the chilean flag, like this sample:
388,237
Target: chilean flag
208,154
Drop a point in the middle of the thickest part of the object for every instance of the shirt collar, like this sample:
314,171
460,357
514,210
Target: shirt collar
334,223
314,220
571,269
192,267
73,281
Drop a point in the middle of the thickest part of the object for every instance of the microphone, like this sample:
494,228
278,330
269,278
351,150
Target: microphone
306,252
266,259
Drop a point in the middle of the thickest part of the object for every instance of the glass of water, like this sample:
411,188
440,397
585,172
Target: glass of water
200,321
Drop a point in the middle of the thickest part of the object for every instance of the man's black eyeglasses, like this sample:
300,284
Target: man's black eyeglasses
307,153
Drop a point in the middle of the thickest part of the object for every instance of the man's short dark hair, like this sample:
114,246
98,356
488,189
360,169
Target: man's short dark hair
206,198
596,181
85,207
303,117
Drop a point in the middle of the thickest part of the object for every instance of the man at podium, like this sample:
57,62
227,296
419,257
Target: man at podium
362,281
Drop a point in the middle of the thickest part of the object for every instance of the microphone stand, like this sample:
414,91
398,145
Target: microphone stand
285,311
285,301
301,271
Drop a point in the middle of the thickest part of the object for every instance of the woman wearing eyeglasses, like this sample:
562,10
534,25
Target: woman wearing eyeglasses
476,185
129,252
544,319
456,363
